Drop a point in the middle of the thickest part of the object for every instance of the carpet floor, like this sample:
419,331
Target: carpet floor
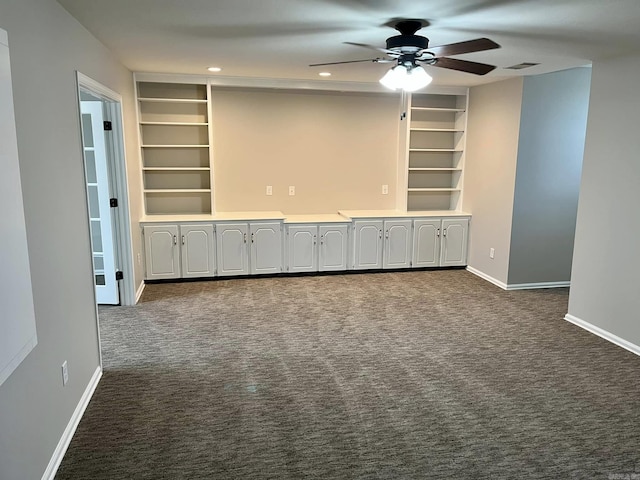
409,375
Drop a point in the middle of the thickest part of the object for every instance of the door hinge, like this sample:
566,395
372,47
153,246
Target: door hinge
119,275
113,202
107,125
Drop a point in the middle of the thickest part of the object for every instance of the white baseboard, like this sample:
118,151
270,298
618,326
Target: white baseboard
67,435
517,286
621,342
528,286
140,290
488,278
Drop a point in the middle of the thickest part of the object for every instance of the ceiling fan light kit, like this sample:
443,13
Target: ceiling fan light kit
410,50
401,77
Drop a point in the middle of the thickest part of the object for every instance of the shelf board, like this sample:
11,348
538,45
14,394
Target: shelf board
434,150
433,189
434,169
451,130
176,169
175,146
438,109
177,190
197,124
171,100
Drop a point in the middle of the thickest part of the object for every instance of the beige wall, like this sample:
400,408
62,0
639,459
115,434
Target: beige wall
47,46
491,152
337,149
606,262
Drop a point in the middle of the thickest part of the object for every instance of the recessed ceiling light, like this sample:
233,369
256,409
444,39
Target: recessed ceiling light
214,69
325,74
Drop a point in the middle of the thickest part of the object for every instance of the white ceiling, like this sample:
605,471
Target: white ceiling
279,38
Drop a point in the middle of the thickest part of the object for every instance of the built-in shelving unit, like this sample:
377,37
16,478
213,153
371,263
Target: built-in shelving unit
436,125
175,147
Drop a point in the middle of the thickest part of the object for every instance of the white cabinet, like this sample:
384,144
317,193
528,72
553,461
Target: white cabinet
173,251
312,248
197,252
302,248
397,244
367,246
440,242
382,244
426,243
455,233
266,247
231,249
333,247
249,248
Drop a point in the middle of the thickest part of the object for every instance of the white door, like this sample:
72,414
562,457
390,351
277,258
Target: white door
232,253
97,177
161,251
266,247
302,248
454,242
333,247
426,243
368,244
397,244
197,250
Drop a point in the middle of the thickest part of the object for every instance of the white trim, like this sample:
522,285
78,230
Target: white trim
97,87
488,278
517,286
140,290
67,435
621,342
283,83
528,286
4,38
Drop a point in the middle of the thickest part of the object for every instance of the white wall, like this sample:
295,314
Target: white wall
606,260
550,149
337,149
47,46
492,145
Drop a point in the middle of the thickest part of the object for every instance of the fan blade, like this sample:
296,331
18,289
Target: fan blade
470,46
371,47
463,65
374,60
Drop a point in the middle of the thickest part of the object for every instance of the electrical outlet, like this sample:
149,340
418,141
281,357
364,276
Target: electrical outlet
292,190
385,189
492,252
65,373
139,259
269,190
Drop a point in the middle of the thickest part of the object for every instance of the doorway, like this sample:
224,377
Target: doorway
107,198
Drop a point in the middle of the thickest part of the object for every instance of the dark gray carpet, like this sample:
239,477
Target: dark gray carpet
409,375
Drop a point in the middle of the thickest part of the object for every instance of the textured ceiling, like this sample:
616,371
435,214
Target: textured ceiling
279,38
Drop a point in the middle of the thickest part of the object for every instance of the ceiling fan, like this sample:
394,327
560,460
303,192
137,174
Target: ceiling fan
409,51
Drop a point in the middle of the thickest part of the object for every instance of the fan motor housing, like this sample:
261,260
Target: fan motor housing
407,43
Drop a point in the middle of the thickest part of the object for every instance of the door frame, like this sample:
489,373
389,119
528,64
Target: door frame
116,165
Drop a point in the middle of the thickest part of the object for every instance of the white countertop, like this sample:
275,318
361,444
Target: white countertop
400,214
343,216
317,218
216,217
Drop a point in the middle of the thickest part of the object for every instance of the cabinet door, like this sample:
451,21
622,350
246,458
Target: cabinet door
302,248
161,252
455,232
367,244
397,244
197,250
426,243
266,247
231,249
333,247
